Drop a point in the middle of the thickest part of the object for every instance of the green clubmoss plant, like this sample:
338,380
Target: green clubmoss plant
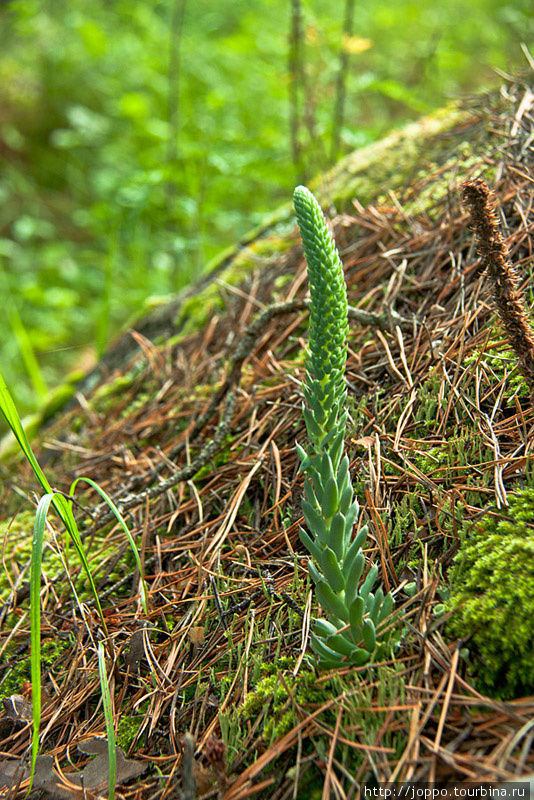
355,614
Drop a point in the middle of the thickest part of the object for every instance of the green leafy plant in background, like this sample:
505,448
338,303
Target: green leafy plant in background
62,504
330,509
134,149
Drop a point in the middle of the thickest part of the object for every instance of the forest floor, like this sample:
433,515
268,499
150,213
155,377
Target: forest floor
196,439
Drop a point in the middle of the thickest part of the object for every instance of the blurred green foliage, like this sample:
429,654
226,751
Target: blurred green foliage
134,147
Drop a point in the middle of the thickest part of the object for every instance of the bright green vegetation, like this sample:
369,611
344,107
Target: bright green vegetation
492,598
134,148
16,544
19,672
63,506
329,507
276,692
500,363
127,729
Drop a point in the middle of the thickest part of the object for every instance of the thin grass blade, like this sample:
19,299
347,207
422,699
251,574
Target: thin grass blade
108,715
7,406
60,503
120,520
39,527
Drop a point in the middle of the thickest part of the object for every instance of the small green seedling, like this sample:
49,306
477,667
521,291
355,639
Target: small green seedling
63,506
355,613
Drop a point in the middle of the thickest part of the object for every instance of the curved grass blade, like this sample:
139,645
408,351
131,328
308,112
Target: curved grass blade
60,503
108,715
7,406
72,528
120,520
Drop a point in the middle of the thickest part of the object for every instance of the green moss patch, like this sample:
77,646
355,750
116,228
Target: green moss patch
16,543
492,599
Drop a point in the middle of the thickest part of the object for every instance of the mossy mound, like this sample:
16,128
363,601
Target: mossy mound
493,599
191,429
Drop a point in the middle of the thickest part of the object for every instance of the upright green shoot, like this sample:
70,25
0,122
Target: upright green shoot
108,715
355,613
39,527
63,506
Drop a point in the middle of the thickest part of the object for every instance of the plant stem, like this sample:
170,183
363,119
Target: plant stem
295,84
341,83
